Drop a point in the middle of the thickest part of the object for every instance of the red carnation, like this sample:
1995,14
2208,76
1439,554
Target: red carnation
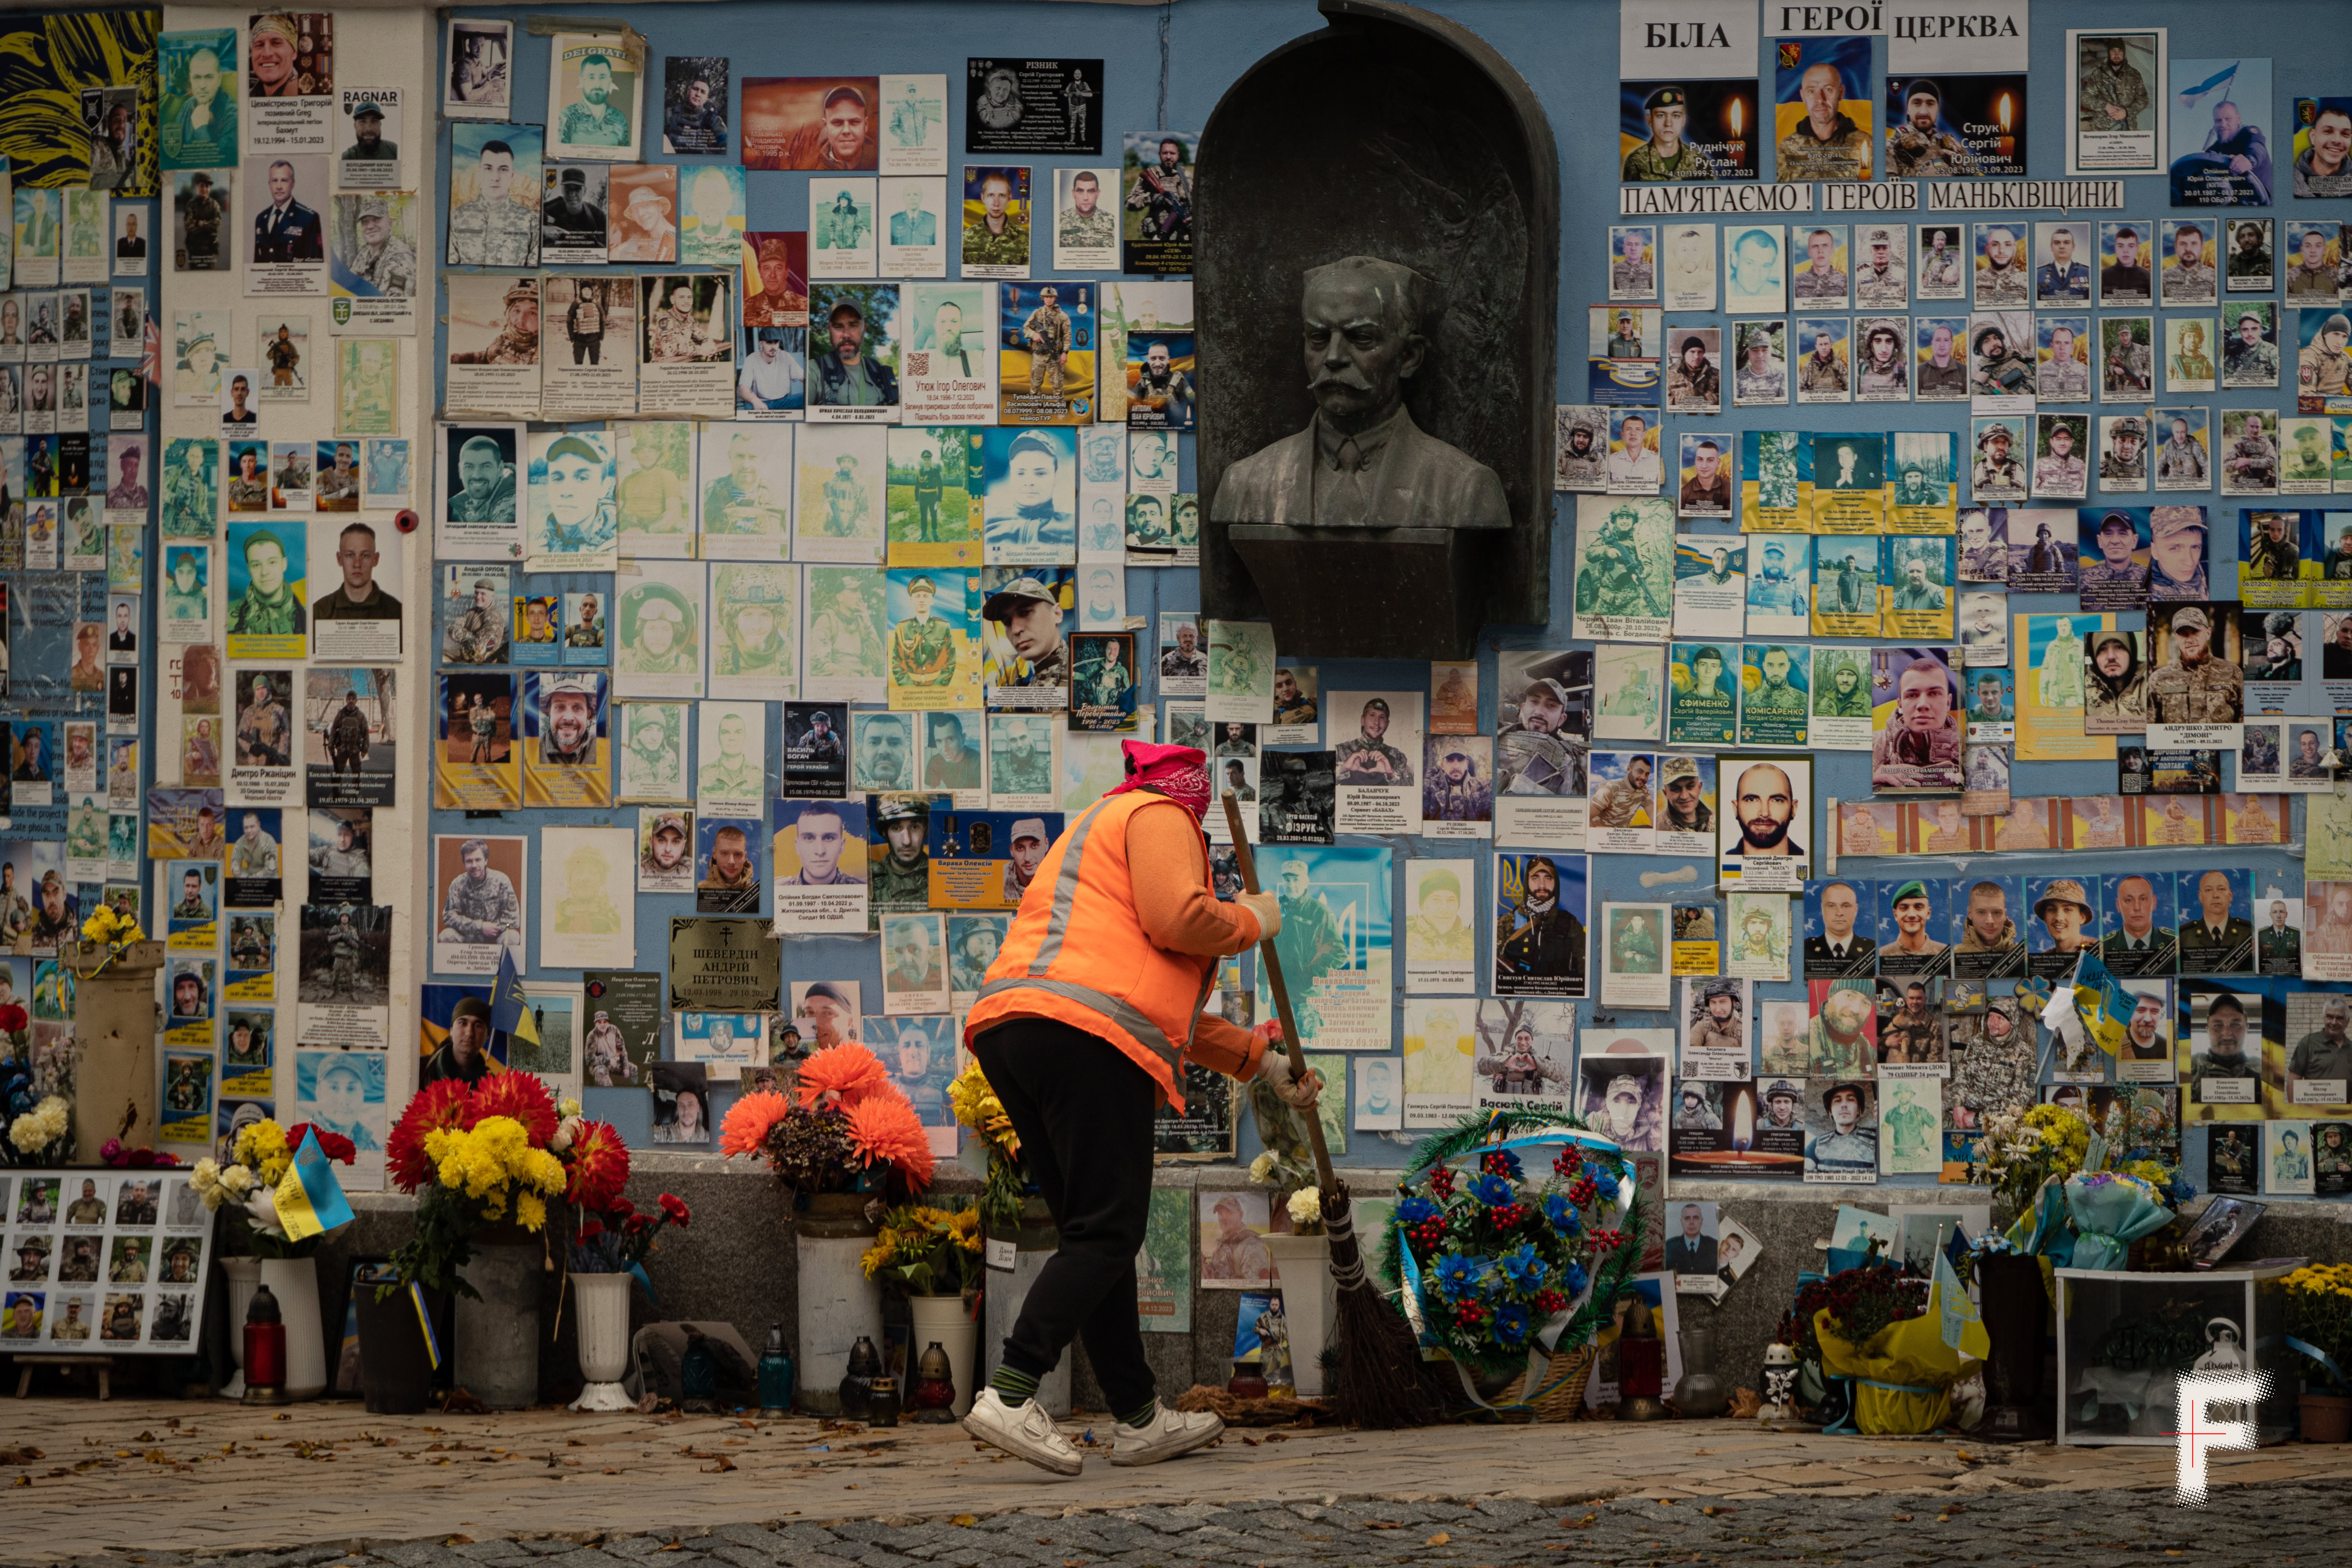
675,1207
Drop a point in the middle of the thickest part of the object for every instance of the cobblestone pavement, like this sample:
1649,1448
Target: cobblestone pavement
139,1484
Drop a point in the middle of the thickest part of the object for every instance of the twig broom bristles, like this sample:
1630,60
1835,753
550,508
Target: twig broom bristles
1379,1380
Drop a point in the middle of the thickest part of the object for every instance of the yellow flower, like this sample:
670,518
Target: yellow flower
532,1209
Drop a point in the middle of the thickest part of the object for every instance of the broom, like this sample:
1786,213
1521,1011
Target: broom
1379,1380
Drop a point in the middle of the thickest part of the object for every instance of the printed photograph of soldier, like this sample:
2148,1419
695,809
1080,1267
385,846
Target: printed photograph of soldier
2114,557
494,195
1939,348
2323,364
727,865
2062,275
1632,271
1670,132
2250,269
2109,95
1923,135
1761,376
824,123
2249,464
1633,466
2003,359
1883,370
2059,441
2185,273
1822,279
1915,748
345,954
2250,355
481,459
595,97
1824,363
1626,331
2126,363
1996,476
2221,154
2003,275
1544,713
2195,675
2063,348
1823,114
1756,269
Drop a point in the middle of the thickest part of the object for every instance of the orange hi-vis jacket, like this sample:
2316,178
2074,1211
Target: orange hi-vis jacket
1119,936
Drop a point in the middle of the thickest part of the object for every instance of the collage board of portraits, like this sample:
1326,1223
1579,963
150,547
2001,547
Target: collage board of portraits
2001,589
290,267
812,549
97,1260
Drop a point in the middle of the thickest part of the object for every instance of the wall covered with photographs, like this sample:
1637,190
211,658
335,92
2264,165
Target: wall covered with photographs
803,441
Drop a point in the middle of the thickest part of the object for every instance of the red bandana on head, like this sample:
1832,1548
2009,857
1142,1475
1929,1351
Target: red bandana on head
1179,772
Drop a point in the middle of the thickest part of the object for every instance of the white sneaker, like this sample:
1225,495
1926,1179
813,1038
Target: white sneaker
1171,1433
1026,1432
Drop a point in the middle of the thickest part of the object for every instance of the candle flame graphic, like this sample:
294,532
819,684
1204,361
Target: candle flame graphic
1737,119
2006,110
1743,1123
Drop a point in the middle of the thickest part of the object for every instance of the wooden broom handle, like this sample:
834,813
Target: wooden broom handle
1266,956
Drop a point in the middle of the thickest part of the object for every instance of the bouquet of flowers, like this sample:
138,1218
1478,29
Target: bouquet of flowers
2038,1161
1502,1260
846,1128
2319,1324
40,1129
492,1154
1870,1324
617,1239
1302,1199
927,1252
246,1185
1860,1300
117,930
976,1106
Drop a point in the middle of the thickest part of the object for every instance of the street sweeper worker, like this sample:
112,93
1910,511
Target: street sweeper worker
1084,1024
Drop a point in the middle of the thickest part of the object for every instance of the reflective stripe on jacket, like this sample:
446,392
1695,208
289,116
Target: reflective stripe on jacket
1113,981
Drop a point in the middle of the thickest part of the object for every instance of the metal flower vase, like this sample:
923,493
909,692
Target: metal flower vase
498,1332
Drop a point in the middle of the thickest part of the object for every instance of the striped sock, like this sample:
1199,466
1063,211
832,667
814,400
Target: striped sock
1014,1387
1142,1415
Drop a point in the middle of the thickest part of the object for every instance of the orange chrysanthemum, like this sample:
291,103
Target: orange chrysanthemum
885,1127
522,1096
599,1167
841,1074
749,1119
442,1107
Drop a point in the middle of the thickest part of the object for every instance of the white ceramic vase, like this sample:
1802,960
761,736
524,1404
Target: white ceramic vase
244,1277
942,1320
601,1306
1302,1267
295,1282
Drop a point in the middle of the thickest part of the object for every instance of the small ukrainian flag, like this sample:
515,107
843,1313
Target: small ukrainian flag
2099,1000
510,1009
310,1200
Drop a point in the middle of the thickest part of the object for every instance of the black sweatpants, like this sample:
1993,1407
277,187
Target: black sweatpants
1084,1114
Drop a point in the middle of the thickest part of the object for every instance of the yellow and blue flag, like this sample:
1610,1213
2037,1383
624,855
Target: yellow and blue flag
310,1200
2096,1002
510,1009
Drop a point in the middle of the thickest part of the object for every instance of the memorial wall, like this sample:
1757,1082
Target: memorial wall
1809,537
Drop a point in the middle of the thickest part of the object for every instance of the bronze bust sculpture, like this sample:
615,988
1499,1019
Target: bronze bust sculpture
1361,462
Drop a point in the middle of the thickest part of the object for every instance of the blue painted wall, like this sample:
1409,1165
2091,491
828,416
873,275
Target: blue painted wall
1567,52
